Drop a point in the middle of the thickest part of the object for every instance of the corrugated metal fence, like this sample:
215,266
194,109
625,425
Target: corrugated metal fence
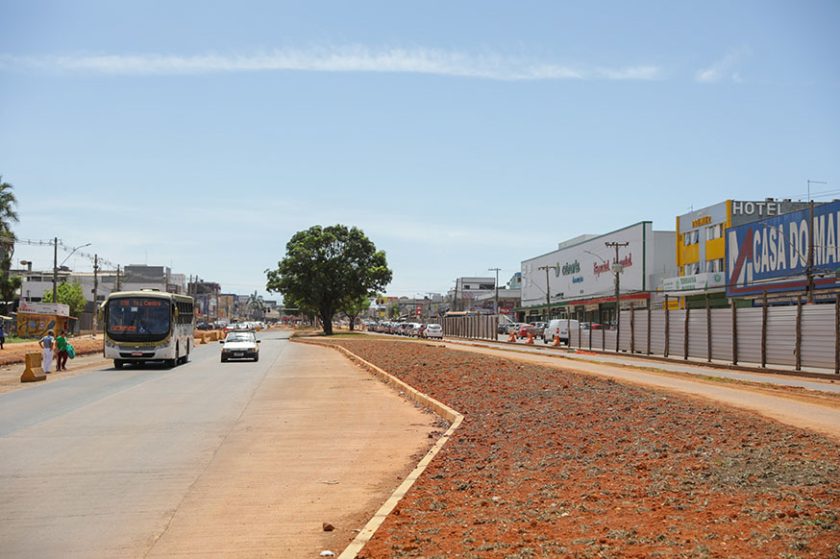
797,335
481,327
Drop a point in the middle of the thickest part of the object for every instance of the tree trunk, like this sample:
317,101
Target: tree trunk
326,322
352,322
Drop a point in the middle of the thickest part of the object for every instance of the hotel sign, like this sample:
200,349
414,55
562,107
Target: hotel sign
773,255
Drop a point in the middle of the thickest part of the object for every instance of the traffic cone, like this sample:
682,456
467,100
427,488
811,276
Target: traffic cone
512,337
530,339
556,341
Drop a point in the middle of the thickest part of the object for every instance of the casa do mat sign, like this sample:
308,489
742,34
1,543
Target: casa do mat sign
772,255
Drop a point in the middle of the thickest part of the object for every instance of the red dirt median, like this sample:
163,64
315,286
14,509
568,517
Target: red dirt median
549,463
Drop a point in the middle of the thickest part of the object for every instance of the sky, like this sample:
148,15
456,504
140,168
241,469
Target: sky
459,136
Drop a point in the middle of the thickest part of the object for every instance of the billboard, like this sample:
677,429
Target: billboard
773,255
585,269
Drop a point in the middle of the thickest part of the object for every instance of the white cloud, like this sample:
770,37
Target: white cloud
723,69
344,59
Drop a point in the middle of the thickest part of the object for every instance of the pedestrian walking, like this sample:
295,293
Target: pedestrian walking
46,344
2,334
61,357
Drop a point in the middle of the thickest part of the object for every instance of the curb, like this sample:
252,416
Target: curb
455,419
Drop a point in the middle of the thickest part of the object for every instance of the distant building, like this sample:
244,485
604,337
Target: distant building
469,290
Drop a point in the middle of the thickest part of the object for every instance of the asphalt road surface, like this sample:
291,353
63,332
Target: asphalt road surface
239,459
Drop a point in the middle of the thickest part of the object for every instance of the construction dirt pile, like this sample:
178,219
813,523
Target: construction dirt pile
13,353
549,463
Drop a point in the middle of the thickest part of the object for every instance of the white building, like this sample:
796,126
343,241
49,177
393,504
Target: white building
467,291
578,278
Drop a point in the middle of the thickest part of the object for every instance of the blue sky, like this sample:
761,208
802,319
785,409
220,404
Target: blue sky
459,136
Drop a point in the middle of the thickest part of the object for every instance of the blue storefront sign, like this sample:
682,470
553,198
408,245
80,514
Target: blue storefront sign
772,255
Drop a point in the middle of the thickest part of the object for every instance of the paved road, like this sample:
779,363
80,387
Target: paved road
209,459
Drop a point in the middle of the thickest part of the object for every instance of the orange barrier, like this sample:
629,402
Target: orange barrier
556,341
512,337
33,371
530,339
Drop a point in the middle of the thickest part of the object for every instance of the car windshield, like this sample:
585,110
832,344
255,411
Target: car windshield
135,319
240,337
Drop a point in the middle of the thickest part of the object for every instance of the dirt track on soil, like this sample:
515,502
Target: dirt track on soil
550,463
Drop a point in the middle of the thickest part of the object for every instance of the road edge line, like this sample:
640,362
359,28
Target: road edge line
441,409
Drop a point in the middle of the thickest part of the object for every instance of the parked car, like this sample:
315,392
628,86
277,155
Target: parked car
433,331
559,327
240,345
534,329
505,326
538,329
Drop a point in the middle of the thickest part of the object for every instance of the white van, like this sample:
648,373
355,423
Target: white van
559,327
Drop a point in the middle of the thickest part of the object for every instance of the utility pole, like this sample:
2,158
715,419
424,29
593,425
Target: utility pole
455,297
496,305
617,269
55,270
547,291
95,288
810,270
118,285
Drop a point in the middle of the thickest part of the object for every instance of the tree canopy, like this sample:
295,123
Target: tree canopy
328,268
69,293
8,215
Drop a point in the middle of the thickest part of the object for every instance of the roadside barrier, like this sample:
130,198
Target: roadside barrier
512,337
530,339
556,341
33,371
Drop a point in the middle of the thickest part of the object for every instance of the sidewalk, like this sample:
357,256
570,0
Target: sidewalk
822,381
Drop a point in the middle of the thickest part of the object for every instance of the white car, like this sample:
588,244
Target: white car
559,327
240,345
433,331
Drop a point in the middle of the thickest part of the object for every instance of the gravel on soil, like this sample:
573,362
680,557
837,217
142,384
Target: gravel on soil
550,463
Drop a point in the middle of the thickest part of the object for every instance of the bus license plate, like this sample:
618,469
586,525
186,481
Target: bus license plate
238,354
137,354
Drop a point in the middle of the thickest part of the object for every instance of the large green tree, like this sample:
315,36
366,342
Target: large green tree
8,215
326,268
69,293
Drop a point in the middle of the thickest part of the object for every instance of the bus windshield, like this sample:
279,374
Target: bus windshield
138,319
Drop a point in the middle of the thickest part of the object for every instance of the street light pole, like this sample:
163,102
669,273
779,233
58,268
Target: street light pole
548,290
55,265
95,289
496,305
55,270
617,270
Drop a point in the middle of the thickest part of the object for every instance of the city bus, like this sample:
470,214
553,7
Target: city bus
148,325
